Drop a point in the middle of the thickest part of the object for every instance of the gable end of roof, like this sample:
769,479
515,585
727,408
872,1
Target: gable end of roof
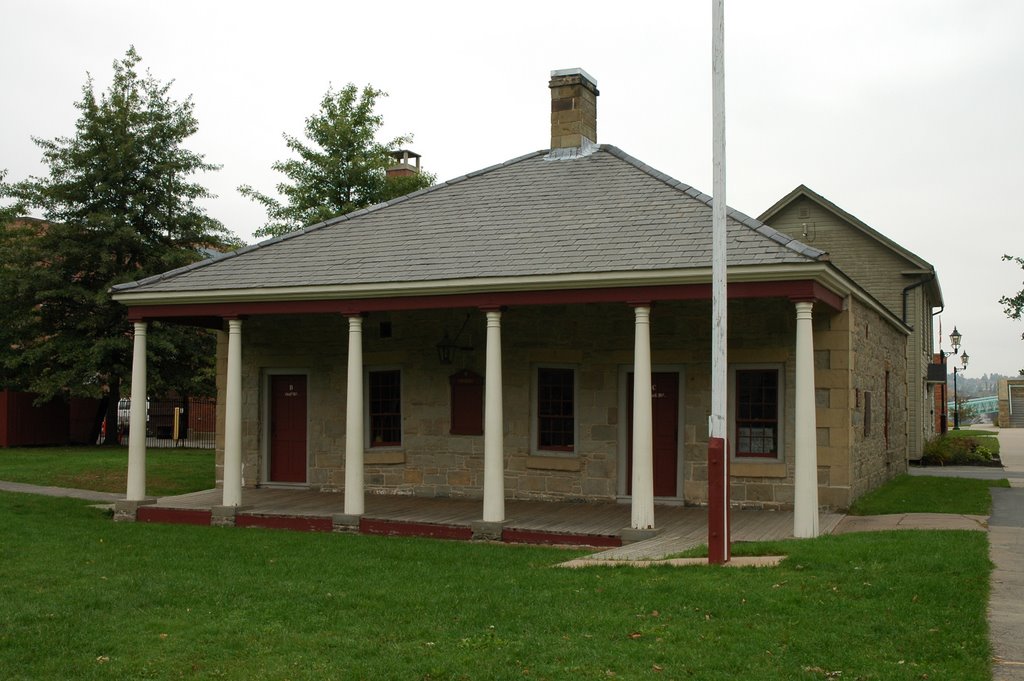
813,196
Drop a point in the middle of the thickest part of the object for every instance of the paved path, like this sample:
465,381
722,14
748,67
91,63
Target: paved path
1006,549
910,521
86,494
1016,478
745,525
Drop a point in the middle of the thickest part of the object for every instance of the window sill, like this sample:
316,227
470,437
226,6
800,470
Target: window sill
383,458
757,469
553,463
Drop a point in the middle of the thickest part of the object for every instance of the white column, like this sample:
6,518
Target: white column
137,419
805,516
233,417
494,427
354,494
642,516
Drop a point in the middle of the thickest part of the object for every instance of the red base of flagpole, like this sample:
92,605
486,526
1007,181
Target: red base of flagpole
719,550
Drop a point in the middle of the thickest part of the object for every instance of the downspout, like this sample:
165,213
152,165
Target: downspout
908,289
932,355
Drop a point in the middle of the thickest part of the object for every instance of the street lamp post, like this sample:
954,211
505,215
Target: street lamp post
954,339
956,403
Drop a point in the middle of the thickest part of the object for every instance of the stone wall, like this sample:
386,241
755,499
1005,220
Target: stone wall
769,484
882,270
879,423
597,340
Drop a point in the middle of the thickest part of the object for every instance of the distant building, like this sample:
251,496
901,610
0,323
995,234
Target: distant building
1011,403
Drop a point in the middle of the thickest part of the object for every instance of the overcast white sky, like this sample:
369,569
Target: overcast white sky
908,114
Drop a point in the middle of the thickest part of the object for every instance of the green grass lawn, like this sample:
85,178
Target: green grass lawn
86,598
105,469
970,447
928,494
988,438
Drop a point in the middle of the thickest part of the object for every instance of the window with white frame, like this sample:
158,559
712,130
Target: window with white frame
757,412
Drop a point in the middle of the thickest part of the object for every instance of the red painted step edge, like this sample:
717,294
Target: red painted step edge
285,522
514,536
182,516
178,516
412,529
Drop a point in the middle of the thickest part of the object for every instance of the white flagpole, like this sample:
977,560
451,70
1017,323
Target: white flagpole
718,451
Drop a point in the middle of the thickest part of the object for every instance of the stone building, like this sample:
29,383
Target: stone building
487,337
900,280
1010,396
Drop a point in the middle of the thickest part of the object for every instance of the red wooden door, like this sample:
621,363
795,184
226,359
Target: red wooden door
287,429
665,421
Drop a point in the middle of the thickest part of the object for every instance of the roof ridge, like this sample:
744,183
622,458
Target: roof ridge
742,218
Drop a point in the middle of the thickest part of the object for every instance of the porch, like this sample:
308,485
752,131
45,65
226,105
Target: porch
380,416
535,522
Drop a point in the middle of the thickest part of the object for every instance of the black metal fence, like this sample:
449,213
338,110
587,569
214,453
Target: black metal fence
174,422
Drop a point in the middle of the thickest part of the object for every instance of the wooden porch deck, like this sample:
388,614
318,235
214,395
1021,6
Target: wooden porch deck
589,524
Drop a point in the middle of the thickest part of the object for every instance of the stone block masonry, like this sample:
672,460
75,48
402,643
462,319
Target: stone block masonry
573,109
593,340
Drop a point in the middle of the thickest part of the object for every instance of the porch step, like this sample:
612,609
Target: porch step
511,535
176,516
285,522
405,528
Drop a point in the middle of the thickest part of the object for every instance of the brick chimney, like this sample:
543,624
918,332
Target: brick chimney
403,167
573,110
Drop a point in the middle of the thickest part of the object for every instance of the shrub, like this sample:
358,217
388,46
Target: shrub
959,450
934,453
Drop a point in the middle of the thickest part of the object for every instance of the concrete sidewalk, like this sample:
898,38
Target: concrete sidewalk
46,491
1006,607
910,521
1006,549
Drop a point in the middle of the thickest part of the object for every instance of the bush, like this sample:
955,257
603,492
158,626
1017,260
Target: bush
932,454
959,450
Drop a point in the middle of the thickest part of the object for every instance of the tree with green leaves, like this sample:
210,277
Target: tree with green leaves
119,203
11,212
1013,306
340,169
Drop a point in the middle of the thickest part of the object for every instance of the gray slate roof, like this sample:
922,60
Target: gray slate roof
534,215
